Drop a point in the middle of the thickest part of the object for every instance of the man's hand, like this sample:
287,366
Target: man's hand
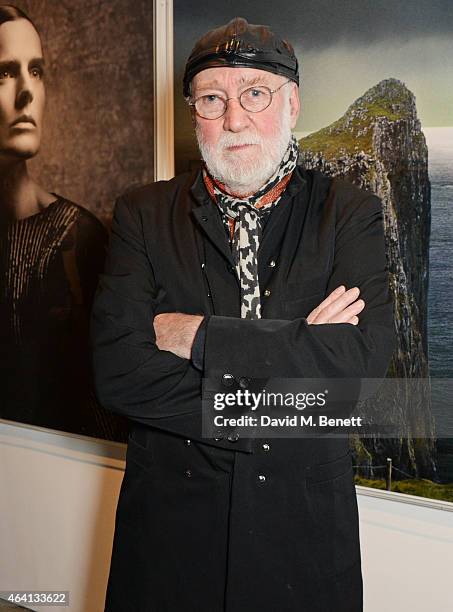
175,332
340,306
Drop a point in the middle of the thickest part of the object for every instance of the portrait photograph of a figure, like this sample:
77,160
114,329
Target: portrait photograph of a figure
74,106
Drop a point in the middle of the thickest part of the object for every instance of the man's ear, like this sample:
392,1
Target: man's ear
294,105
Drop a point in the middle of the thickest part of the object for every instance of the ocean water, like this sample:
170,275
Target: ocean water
440,294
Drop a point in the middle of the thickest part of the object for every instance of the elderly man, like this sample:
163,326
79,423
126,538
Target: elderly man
249,268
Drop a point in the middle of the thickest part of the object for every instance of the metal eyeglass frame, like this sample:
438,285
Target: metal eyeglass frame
226,100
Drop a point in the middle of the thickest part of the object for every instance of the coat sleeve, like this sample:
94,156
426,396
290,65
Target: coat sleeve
197,354
295,349
132,376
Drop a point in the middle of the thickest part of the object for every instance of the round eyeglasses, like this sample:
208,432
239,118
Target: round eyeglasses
253,100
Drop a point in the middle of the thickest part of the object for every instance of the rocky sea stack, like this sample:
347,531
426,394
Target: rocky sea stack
378,145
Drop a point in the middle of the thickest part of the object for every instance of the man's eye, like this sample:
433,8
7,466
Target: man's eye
255,93
4,74
210,99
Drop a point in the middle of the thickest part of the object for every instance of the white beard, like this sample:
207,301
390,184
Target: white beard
245,175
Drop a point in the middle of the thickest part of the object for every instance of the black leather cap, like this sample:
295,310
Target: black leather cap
241,44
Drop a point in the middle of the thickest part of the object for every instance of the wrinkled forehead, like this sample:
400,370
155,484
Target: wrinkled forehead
231,77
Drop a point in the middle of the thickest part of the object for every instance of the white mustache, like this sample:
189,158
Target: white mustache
228,140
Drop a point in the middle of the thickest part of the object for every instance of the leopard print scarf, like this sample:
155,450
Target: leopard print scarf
244,218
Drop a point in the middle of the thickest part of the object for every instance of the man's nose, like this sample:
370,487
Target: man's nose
235,118
24,93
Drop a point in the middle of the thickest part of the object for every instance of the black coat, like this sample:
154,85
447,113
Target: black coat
198,529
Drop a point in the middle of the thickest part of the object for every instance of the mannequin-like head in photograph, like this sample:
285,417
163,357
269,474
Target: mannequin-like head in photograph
22,91
235,65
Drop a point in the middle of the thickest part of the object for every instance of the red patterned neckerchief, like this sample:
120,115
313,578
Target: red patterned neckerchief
270,196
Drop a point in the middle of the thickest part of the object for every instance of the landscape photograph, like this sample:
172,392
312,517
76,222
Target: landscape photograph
377,110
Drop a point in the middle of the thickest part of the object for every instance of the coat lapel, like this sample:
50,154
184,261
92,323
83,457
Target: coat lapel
208,218
217,260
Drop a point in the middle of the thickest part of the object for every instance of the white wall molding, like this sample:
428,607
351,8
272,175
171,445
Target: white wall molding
164,158
414,500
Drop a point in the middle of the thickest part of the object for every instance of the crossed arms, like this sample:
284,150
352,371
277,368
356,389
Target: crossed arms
142,366
175,331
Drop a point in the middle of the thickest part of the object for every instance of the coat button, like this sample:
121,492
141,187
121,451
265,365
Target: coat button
187,442
267,292
266,447
233,437
272,263
262,478
188,473
244,382
227,380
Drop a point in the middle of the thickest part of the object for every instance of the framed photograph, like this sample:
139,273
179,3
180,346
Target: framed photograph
375,109
77,81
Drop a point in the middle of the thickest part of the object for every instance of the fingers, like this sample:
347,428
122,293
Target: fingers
347,313
312,317
336,293
340,306
343,301
334,304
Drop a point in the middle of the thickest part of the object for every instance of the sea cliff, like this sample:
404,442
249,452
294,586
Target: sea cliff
378,145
